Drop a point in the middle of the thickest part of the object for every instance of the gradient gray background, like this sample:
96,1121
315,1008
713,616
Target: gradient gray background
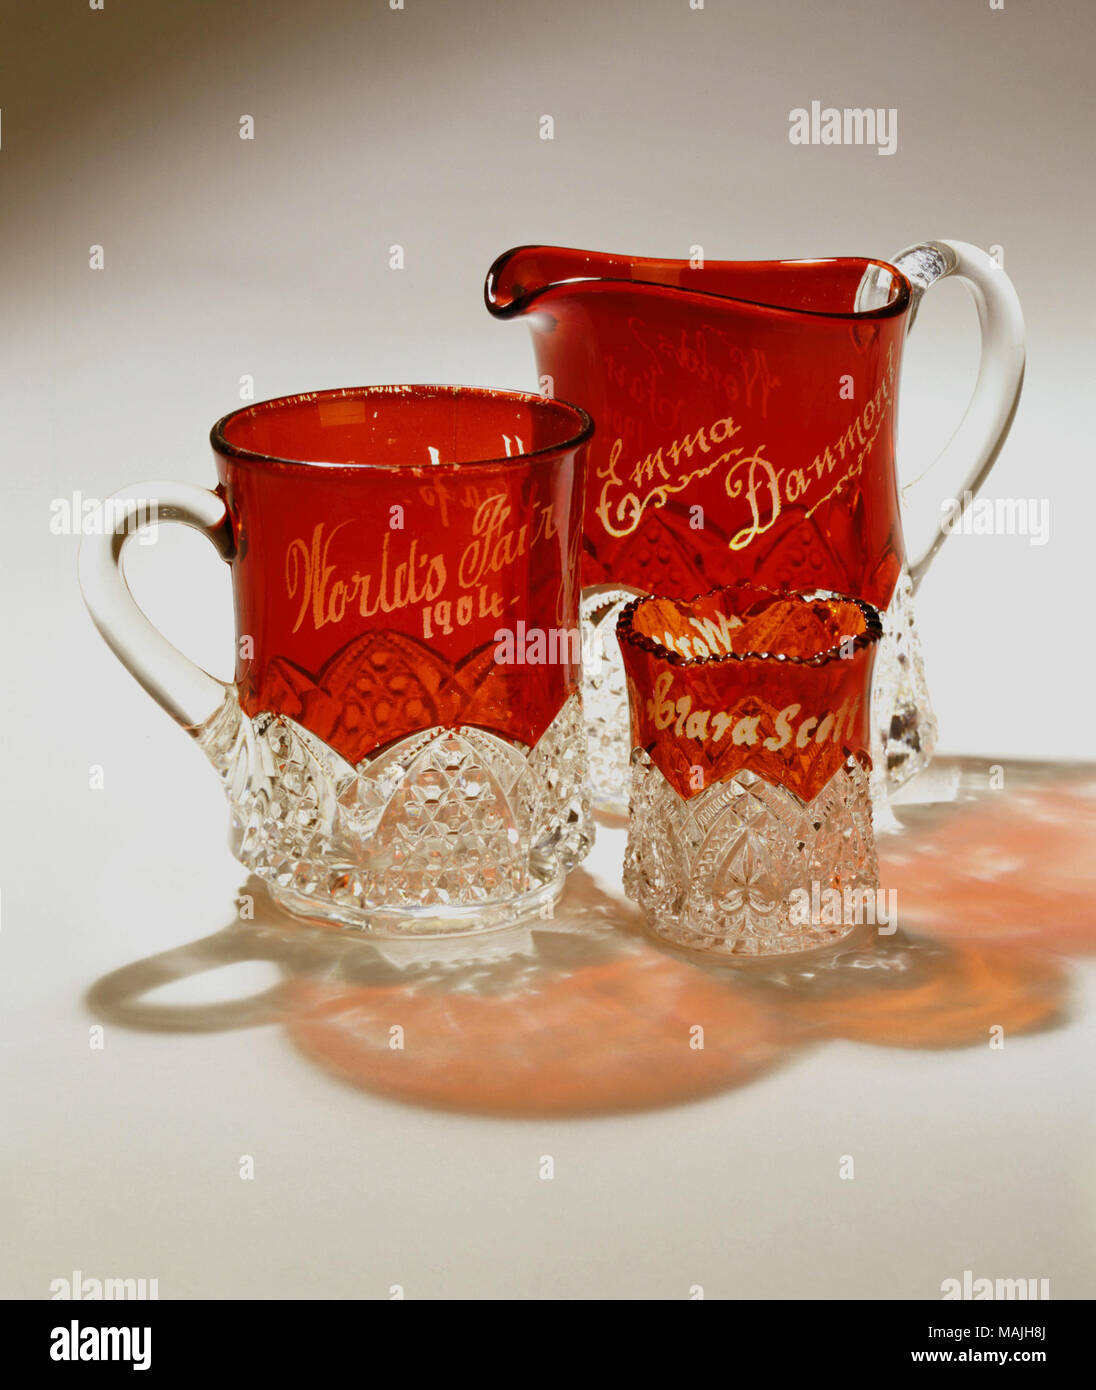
270,258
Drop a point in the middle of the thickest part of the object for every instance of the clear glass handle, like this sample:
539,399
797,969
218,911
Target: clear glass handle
974,446
189,694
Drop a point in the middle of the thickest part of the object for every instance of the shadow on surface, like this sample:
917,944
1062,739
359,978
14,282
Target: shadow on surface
582,1014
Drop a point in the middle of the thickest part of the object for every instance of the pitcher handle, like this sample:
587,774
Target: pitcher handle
983,429
189,694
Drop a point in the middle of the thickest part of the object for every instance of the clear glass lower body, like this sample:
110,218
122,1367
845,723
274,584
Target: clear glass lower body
747,868
446,831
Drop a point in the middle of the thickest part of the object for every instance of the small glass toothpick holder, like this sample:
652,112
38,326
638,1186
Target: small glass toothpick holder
750,829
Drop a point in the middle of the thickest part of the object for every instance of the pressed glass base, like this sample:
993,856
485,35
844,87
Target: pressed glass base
747,868
445,831
538,903
904,728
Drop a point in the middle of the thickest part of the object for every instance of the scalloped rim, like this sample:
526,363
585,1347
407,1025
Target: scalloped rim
873,627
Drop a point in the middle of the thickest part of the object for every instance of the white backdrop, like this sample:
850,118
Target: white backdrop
269,258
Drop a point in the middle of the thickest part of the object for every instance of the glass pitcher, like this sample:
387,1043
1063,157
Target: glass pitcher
745,431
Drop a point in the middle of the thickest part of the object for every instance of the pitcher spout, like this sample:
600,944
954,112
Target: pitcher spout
520,276
848,287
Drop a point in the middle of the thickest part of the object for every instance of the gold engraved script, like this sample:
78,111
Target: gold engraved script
764,486
771,730
407,575
419,578
653,479
496,543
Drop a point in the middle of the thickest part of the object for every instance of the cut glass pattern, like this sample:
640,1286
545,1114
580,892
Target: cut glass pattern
903,723
605,698
450,829
747,868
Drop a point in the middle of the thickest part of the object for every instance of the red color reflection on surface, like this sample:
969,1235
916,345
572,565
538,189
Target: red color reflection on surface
748,678
915,992
605,1038
745,414
384,535
1013,867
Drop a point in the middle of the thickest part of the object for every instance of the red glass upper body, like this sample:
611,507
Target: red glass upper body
745,414
384,537
744,678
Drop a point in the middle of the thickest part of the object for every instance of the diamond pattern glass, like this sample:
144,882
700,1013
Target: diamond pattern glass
402,747
750,827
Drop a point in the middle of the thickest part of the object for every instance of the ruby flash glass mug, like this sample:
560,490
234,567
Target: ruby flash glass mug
402,746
